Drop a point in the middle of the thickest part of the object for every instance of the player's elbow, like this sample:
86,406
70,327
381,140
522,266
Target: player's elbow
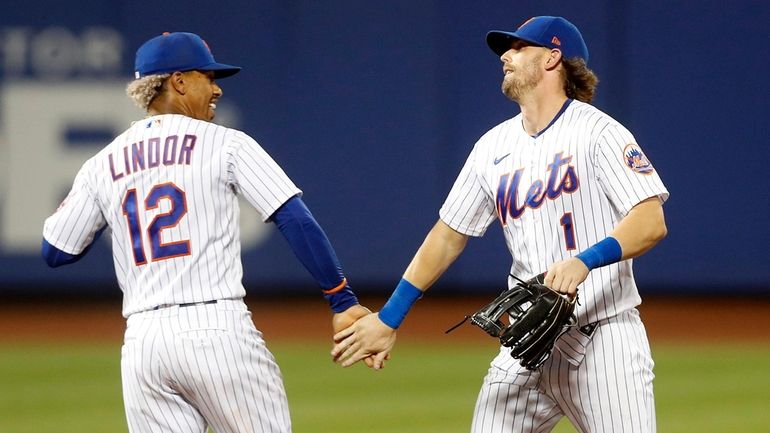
47,253
49,260
658,234
651,222
52,263
54,257
663,231
657,231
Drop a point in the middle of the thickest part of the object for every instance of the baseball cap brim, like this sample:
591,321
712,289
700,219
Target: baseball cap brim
500,41
220,70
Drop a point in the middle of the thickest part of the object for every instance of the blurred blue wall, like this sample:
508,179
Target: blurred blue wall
372,108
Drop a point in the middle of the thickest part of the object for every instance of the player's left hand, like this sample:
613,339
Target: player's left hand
566,275
346,318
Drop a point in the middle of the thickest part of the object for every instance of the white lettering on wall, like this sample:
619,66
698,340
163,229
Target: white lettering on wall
59,52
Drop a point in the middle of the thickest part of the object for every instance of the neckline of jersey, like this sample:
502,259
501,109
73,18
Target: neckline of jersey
555,118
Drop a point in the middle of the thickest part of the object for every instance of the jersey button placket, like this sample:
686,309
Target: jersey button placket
534,218
533,169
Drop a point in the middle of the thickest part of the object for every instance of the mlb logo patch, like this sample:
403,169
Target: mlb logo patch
635,159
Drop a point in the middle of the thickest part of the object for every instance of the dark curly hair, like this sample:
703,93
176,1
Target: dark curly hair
579,81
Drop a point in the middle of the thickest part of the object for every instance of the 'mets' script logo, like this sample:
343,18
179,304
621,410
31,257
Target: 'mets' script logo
508,188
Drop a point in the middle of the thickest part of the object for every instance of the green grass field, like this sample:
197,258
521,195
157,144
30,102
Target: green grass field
425,388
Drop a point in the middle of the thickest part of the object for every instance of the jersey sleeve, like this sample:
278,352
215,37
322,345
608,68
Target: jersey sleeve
258,177
624,172
469,208
77,220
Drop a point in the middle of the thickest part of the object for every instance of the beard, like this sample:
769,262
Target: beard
522,80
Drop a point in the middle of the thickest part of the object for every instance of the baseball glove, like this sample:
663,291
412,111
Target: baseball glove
537,316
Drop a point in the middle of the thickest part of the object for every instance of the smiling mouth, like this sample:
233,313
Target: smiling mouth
213,105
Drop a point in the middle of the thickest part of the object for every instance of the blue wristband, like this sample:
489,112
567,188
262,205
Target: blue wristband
402,299
605,252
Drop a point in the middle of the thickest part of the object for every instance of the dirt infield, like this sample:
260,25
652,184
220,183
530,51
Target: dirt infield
667,319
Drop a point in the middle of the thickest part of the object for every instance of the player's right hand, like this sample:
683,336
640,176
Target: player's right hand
564,276
346,318
369,336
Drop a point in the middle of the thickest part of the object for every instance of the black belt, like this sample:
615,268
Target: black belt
189,304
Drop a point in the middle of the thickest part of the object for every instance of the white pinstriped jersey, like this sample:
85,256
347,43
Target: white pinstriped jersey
167,188
555,195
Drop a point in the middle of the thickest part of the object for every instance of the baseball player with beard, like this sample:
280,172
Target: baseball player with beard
167,188
576,197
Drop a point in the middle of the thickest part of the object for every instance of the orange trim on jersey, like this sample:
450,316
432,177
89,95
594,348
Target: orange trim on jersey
336,289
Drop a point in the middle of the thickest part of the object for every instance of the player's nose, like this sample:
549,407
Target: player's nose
217,90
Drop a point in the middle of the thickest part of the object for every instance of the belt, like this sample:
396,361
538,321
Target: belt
189,304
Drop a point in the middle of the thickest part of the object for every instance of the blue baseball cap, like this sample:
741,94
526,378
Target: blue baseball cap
178,51
545,31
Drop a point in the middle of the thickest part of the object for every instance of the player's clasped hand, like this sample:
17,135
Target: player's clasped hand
343,320
566,275
369,339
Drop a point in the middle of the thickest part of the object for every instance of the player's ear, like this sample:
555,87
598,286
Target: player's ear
552,59
177,82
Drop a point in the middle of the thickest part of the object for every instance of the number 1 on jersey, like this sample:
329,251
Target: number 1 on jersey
159,249
569,230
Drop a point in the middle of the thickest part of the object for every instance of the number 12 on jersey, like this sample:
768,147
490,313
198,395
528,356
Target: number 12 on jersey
165,220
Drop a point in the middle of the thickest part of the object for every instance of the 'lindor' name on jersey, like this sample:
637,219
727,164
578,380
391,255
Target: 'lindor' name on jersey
508,189
140,156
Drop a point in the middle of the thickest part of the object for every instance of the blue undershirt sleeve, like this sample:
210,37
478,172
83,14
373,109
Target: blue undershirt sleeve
55,257
313,249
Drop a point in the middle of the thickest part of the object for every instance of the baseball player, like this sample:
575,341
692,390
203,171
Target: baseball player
576,197
167,188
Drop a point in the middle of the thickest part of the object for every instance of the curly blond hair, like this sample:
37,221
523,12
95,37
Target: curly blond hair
143,90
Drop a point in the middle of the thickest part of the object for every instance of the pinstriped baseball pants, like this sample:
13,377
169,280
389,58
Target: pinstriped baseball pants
187,368
610,391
